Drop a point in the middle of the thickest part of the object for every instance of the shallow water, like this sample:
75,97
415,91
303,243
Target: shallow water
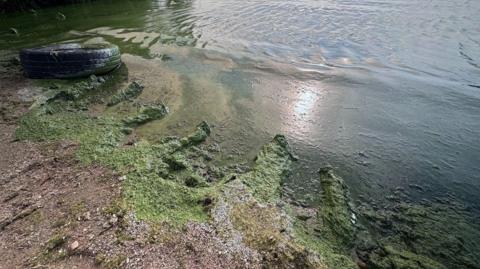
386,91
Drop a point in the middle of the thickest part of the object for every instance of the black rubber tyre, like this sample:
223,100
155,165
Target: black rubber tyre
69,60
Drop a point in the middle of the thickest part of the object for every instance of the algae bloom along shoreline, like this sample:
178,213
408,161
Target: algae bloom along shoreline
244,134
173,182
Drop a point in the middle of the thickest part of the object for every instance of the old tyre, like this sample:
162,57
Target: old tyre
69,60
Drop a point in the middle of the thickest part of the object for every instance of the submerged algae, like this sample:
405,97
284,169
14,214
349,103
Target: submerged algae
336,211
331,230
132,91
433,234
389,257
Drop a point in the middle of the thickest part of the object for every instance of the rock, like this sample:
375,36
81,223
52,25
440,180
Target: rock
74,245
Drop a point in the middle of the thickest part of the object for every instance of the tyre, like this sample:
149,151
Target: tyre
69,60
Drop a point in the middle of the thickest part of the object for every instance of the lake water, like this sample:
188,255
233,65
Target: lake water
386,91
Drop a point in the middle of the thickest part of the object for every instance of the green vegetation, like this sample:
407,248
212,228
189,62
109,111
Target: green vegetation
52,250
55,242
110,262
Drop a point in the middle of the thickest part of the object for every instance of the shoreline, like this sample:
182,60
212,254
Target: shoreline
164,203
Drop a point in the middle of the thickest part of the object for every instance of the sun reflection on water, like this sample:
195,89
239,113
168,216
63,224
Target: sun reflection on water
304,103
306,100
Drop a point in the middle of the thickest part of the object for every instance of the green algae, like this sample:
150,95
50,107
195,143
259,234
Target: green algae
156,190
264,229
146,114
96,137
330,231
336,212
171,181
271,166
434,234
200,135
250,200
152,196
133,90
390,257
327,250
158,199
152,187
267,227
77,94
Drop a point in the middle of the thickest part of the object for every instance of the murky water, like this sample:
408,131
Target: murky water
386,91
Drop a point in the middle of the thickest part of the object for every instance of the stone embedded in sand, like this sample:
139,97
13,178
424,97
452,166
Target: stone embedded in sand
74,245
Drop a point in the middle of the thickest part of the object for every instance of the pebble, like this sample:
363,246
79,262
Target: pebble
74,245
